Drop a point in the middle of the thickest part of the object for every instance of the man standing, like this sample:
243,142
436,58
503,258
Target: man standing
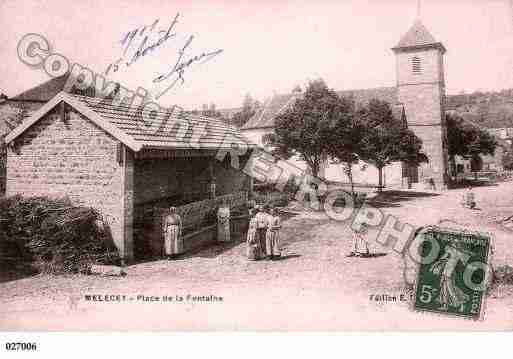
173,242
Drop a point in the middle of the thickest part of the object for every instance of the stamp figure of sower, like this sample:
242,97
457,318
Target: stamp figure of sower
453,271
450,293
173,242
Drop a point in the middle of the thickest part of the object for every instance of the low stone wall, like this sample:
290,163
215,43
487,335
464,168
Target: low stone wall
201,238
150,236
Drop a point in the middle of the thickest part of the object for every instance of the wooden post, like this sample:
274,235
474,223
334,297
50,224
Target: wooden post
127,165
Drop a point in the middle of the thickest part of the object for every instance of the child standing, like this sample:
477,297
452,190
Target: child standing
360,246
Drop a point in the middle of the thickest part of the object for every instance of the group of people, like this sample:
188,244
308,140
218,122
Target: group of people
263,239
172,228
263,236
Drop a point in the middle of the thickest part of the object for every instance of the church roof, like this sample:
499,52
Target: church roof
418,36
264,117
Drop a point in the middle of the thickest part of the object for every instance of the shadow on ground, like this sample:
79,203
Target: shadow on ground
287,256
370,255
394,198
473,183
14,271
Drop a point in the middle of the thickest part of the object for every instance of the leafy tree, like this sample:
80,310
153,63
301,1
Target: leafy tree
306,128
467,140
386,139
345,139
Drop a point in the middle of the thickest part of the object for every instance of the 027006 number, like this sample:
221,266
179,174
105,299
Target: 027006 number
20,346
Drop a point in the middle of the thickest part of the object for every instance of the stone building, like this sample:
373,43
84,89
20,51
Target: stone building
105,156
418,98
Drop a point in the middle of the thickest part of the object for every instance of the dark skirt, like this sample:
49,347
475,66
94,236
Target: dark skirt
260,238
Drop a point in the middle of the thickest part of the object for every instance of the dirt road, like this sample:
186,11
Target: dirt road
315,287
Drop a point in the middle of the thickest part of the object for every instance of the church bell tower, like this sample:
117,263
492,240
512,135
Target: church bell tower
421,90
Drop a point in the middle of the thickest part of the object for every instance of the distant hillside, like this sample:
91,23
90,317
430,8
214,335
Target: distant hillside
489,109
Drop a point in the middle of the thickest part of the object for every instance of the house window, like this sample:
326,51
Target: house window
416,65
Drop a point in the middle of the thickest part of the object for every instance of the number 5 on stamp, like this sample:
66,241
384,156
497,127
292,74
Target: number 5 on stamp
453,272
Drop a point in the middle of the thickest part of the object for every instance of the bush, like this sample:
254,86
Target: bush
54,235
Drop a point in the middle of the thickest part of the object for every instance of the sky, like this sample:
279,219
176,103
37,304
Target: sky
263,47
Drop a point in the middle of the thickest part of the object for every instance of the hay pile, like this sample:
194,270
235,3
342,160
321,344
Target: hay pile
53,235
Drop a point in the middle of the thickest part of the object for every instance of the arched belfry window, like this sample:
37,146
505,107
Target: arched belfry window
416,65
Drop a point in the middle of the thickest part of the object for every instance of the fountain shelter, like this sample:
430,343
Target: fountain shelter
102,155
183,179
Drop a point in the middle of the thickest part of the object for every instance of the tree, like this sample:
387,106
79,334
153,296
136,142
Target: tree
467,140
386,139
306,128
345,139
247,111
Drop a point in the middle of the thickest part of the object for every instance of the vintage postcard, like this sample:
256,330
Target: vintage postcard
284,165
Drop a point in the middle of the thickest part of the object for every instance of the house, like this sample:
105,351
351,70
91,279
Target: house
418,98
105,156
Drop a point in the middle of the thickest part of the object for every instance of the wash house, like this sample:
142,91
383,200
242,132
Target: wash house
105,156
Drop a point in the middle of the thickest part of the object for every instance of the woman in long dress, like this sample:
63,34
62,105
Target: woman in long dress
223,223
251,242
173,242
272,235
262,222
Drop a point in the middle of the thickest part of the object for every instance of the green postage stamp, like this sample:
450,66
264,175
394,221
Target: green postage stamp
453,273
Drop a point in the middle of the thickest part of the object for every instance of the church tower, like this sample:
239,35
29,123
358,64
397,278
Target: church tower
421,90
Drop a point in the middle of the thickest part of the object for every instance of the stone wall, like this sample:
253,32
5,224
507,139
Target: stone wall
155,179
71,157
229,179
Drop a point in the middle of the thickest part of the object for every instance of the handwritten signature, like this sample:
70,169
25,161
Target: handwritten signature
143,38
181,65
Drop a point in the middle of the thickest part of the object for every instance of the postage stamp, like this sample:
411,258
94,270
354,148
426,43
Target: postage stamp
453,272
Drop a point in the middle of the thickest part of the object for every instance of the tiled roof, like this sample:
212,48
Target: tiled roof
158,130
417,36
363,96
264,118
163,129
